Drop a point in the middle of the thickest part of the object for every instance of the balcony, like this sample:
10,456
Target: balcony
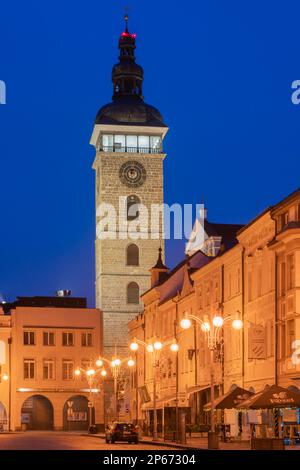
125,149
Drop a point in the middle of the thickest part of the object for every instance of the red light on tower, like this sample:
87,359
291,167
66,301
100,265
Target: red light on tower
128,35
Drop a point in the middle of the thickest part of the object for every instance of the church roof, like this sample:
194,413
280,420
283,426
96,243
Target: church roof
131,111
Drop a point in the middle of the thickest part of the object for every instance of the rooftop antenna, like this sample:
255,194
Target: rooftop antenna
126,19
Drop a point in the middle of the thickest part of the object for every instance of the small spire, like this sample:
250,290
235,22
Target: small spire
159,263
187,260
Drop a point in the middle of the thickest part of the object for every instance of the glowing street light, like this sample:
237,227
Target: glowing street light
218,321
131,363
77,372
174,347
185,323
157,345
5,377
134,346
99,363
237,324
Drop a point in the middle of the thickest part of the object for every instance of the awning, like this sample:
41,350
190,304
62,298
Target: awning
149,406
272,397
230,399
198,388
169,399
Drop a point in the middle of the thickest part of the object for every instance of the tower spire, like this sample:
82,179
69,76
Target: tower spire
127,76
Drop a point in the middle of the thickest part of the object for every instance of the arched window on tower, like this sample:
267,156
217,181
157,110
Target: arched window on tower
132,255
133,293
132,207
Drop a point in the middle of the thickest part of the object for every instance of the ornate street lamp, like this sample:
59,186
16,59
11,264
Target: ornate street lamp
115,365
90,375
212,330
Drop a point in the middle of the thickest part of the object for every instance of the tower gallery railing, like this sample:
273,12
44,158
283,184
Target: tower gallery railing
114,148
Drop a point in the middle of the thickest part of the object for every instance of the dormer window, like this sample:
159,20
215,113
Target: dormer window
283,220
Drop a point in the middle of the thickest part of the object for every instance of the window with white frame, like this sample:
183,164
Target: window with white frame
67,339
67,370
290,336
48,338
29,369
282,278
131,143
48,369
86,339
290,271
29,338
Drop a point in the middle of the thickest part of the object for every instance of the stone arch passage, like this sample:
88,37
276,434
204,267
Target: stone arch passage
37,413
78,418
3,418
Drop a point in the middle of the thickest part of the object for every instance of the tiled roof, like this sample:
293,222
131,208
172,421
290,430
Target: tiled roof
228,232
173,284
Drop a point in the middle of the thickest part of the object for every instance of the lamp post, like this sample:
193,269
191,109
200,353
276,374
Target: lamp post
154,349
211,330
115,364
4,377
177,366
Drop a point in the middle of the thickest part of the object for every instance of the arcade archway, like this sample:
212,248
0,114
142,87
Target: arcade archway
76,414
37,413
3,418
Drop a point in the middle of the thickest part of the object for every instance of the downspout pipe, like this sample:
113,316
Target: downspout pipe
276,336
222,351
276,322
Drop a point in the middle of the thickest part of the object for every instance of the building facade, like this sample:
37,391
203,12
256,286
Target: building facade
128,137
43,340
256,272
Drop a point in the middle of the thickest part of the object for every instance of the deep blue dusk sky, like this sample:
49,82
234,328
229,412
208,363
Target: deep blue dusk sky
220,72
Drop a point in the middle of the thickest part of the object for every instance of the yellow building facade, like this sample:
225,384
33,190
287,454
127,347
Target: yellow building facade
44,341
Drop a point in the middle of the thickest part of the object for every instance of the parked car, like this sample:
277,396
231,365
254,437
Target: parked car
122,432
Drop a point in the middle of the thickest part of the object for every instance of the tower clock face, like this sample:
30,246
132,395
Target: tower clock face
132,174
